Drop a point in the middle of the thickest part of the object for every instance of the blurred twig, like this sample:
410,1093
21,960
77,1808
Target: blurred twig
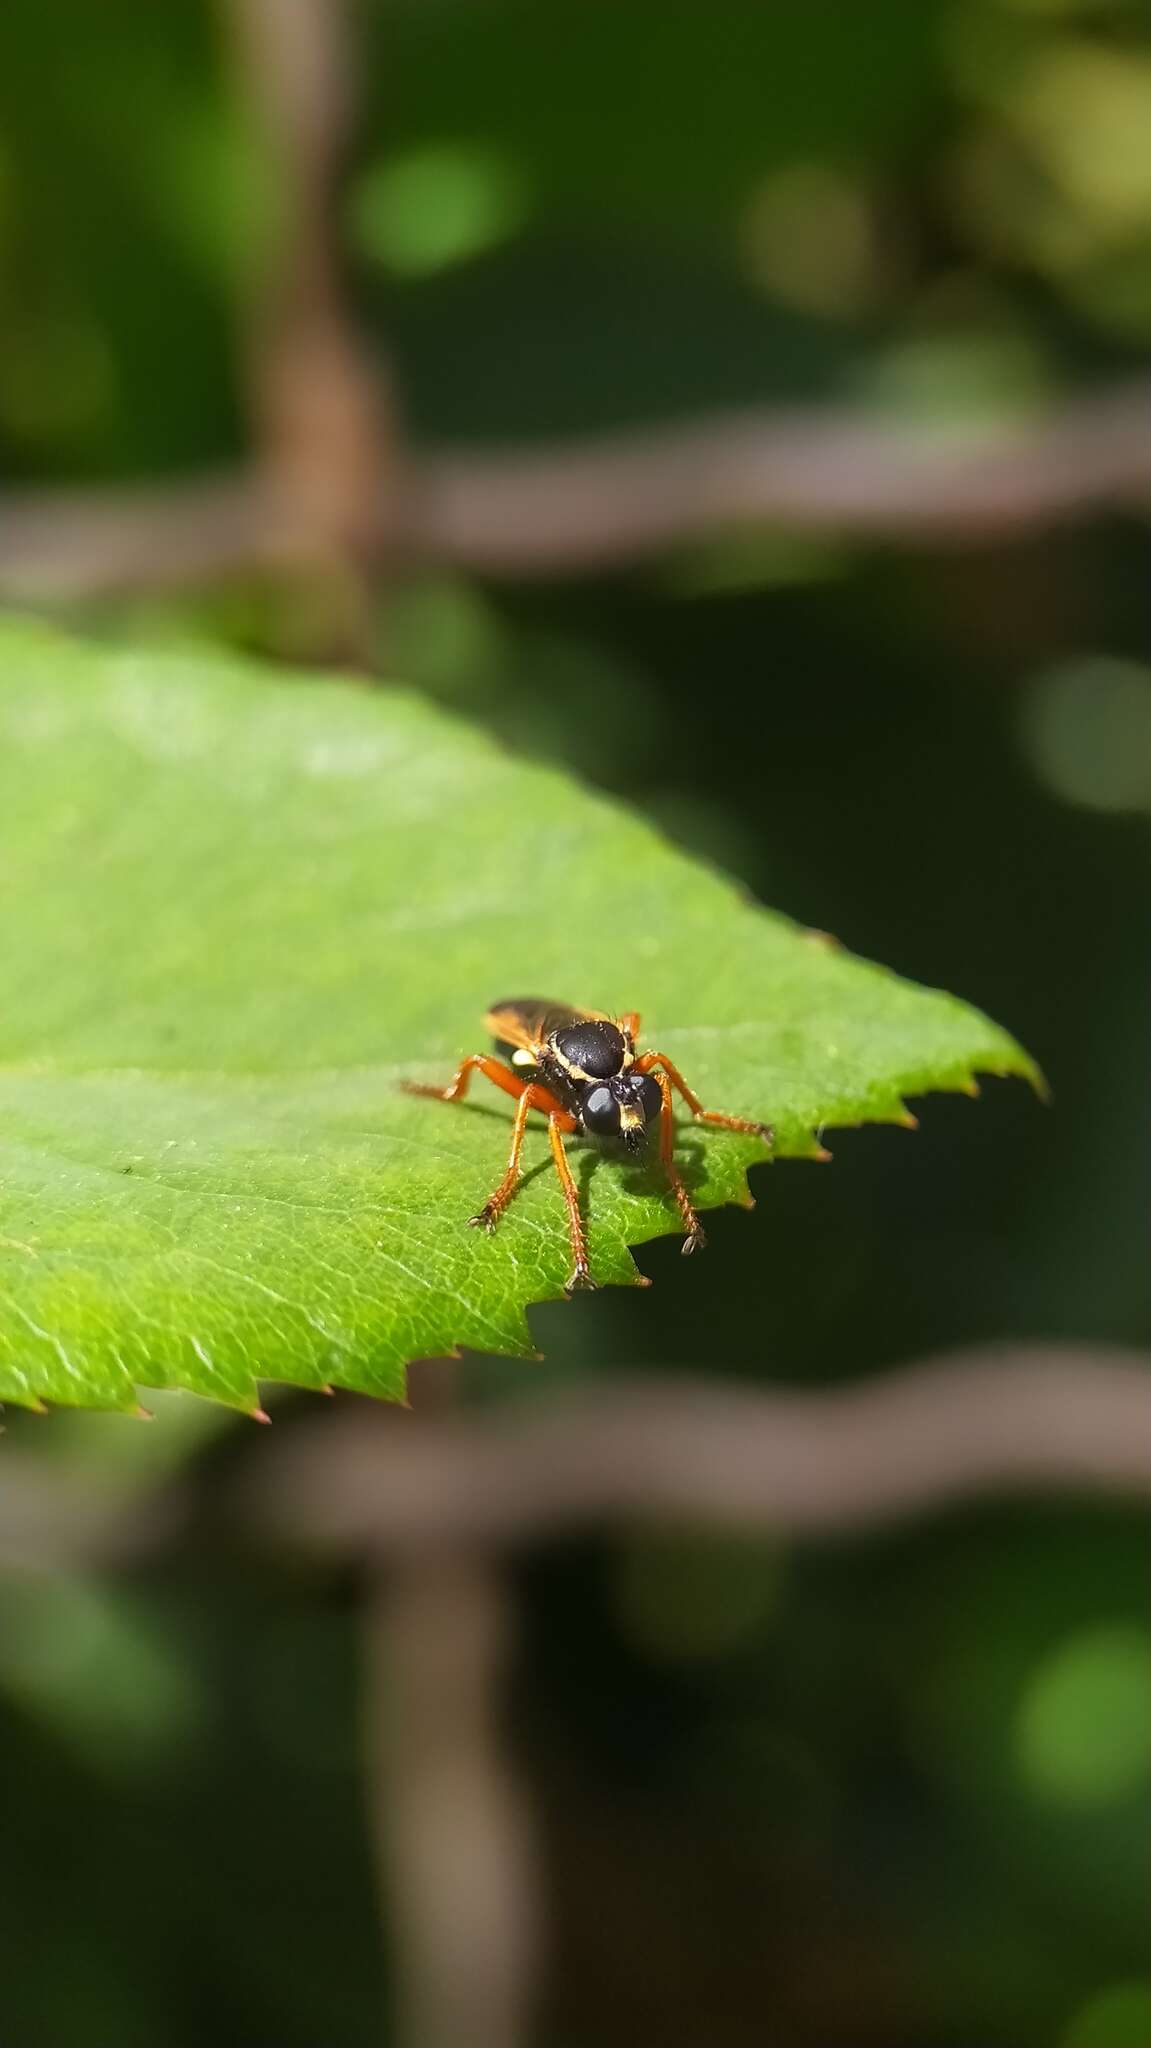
326,489
1020,1420
566,509
322,412
569,508
453,1833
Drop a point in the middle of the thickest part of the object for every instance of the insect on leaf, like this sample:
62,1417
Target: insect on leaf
234,912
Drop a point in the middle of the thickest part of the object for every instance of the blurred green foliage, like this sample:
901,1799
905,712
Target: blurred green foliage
846,1800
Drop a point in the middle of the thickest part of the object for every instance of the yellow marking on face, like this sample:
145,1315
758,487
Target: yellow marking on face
630,1118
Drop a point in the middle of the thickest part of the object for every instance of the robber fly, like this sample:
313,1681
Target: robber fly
581,1070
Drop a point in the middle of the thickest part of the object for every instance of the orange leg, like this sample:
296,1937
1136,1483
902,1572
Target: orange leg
581,1271
668,1075
693,1237
485,1063
529,1095
493,1209
701,1115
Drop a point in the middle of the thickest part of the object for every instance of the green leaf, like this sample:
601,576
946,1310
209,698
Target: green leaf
234,912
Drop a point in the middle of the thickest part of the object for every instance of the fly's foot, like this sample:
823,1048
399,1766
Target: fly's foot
694,1241
580,1277
754,1130
743,1124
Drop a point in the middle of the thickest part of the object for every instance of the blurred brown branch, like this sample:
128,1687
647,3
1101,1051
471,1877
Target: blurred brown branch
566,509
453,1829
571,508
321,409
1020,1419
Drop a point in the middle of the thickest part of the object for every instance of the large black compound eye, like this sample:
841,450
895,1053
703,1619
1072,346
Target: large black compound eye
650,1097
599,1113
595,1048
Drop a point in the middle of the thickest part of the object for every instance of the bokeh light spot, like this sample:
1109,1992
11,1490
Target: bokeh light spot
1085,112
689,1595
808,236
1057,8
438,206
1083,1729
99,1668
956,384
760,557
445,635
1086,731
57,378
1058,173
1119,2017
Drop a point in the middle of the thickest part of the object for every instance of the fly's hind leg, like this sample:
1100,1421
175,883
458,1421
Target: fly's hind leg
483,1063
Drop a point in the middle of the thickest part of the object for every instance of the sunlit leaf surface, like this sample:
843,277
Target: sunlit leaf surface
235,911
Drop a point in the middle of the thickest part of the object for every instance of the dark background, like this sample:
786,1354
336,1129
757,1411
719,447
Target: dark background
888,1790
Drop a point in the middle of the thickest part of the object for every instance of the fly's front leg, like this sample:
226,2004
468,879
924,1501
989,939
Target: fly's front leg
693,1237
531,1098
651,1060
558,1123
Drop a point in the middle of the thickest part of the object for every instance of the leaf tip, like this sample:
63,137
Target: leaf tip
258,1415
1019,1067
